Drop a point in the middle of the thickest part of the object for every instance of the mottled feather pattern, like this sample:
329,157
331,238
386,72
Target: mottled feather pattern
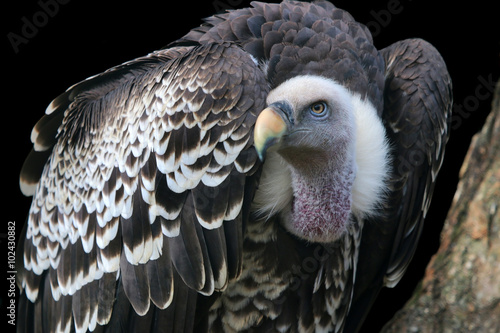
302,291
302,38
110,199
143,179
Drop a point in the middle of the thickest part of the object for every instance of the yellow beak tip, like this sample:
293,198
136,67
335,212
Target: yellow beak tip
269,128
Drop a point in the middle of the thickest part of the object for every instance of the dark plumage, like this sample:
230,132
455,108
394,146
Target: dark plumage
154,208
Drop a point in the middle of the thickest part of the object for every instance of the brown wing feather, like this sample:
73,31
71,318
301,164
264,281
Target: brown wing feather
145,164
417,109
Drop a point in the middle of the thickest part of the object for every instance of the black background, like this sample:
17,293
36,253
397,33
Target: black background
82,38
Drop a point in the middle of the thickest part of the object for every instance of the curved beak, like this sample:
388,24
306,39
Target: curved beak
271,125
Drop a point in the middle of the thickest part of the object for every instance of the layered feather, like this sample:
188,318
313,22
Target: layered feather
141,178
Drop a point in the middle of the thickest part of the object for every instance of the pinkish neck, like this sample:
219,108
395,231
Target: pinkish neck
322,208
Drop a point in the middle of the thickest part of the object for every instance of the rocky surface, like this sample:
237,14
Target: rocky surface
461,288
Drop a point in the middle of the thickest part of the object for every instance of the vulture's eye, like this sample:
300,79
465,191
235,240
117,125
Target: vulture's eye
318,109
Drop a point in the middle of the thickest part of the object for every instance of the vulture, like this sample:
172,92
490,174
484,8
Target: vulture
269,171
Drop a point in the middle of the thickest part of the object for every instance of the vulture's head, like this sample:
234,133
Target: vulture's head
328,152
